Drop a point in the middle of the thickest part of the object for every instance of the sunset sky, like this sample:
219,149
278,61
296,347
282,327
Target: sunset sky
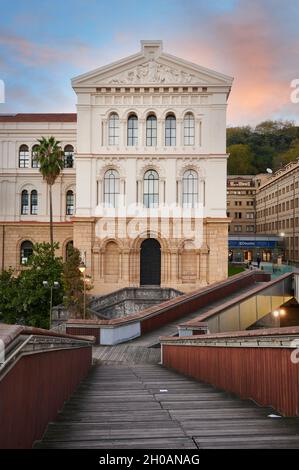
44,43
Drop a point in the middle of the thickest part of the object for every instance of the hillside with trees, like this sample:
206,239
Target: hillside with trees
271,144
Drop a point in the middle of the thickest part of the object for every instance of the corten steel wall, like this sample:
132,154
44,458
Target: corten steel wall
266,375
82,331
34,390
200,300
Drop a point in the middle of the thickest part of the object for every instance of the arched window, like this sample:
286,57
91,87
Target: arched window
113,129
69,203
68,156
26,251
190,188
24,202
33,202
68,249
170,130
111,188
24,156
132,130
151,131
34,162
151,189
189,129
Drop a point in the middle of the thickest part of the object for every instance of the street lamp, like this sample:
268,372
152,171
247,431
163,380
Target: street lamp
82,269
277,314
54,285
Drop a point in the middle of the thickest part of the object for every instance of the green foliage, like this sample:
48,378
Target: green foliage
241,159
73,284
23,297
271,145
50,158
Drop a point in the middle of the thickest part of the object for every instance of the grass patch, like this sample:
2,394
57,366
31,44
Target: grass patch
233,269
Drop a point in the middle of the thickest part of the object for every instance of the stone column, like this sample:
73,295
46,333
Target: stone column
141,133
179,195
123,133
139,192
105,132
160,133
179,133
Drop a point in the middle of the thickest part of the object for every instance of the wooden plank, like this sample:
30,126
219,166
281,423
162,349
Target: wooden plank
149,443
121,406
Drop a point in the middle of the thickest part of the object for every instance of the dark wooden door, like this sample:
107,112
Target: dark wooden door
150,263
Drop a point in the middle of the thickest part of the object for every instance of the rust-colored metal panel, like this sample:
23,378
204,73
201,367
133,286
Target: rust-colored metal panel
34,390
192,304
266,375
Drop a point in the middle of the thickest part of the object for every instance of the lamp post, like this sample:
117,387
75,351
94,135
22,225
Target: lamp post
82,269
51,286
277,314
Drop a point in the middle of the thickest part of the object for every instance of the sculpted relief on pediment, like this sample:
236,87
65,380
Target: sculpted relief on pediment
153,72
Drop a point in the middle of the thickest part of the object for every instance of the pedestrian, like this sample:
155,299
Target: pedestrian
258,260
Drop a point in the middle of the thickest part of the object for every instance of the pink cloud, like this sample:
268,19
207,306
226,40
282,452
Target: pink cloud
246,44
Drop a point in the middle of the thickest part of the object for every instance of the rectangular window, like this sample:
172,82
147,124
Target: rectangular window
170,131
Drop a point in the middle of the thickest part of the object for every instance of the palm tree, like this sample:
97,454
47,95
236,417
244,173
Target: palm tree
50,158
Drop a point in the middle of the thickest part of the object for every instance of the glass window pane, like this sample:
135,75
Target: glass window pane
24,156
24,202
25,252
190,188
189,129
151,189
113,129
111,188
68,156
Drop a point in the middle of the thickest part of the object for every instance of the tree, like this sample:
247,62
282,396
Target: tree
286,157
240,160
73,283
50,158
8,296
23,297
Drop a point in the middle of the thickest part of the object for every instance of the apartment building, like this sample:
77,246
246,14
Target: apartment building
277,208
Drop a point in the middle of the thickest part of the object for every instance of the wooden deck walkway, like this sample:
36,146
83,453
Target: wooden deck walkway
147,406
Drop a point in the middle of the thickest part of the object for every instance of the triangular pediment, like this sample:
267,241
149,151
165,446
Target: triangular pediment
151,67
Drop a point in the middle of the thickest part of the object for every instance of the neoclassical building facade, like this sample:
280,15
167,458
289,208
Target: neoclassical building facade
143,191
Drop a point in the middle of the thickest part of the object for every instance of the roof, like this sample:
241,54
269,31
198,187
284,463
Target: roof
38,117
151,66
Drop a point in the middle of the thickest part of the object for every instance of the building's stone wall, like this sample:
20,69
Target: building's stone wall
13,234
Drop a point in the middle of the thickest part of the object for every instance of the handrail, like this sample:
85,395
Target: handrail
13,355
164,306
42,343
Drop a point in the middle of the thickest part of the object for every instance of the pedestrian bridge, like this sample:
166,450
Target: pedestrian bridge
231,305
199,390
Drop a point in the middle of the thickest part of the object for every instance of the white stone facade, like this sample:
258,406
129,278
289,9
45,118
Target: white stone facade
187,98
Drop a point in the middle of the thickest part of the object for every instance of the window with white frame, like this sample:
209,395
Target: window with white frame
34,162
33,202
170,130
189,129
111,188
69,210
132,139
190,188
113,129
68,156
151,131
24,202
151,189
24,156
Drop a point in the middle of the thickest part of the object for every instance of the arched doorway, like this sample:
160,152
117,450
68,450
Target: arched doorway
150,262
